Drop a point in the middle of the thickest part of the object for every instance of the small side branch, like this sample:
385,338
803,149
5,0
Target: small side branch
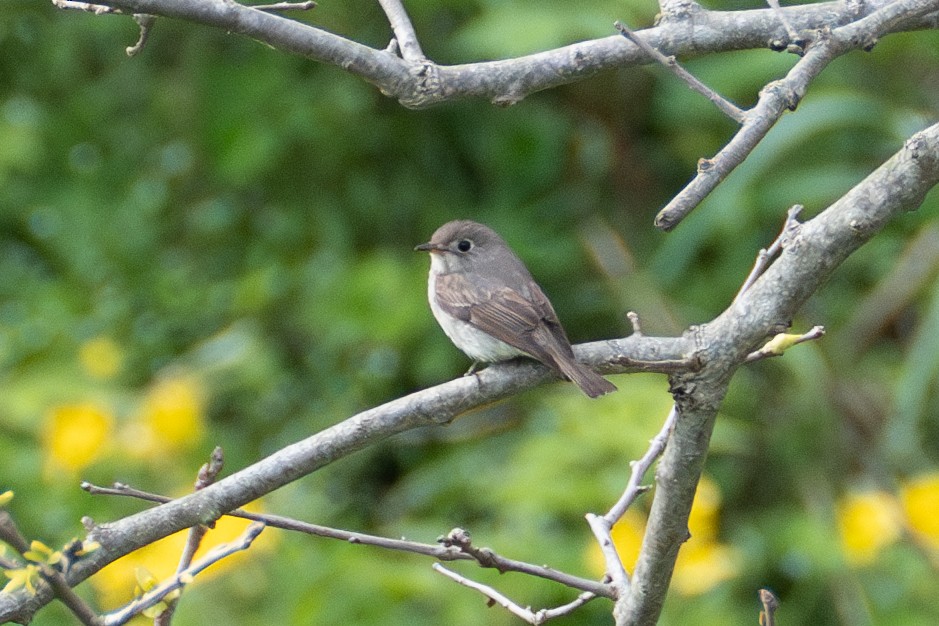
603,525
11,535
770,604
145,22
766,255
455,546
782,342
461,540
728,108
495,597
775,99
784,95
88,7
406,38
183,578
207,475
286,6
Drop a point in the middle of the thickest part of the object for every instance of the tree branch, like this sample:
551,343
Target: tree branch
403,30
419,83
784,95
728,108
435,406
815,251
455,546
701,364
184,577
601,526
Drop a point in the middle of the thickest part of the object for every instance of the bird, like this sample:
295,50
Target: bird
491,308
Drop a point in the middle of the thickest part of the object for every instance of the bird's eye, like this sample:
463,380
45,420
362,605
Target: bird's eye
464,245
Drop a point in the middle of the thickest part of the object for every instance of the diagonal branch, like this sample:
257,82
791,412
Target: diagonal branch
784,95
728,108
602,525
813,254
403,30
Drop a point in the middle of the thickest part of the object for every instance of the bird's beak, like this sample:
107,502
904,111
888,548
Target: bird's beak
430,247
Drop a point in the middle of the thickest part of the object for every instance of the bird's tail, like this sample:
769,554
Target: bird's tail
588,380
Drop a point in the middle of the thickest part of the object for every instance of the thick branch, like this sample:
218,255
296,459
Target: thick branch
806,262
421,83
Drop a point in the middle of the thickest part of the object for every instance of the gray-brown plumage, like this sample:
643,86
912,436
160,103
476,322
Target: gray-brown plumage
489,305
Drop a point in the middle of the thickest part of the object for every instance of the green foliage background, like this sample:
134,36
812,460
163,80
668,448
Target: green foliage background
220,206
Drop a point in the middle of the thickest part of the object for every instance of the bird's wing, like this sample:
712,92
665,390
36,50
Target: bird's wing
529,324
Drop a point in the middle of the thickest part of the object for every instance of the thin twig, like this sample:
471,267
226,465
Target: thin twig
532,617
145,22
181,579
448,550
408,45
285,6
763,258
207,475
634,321
790,31
782,342
634,487
770,604
566,609
603,525
728,108
97,9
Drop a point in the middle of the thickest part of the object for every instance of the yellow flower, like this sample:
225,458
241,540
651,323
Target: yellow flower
702,522
75,435
24,577
172,413
703,562
920,499
100,357
702,565
868,522
41,553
